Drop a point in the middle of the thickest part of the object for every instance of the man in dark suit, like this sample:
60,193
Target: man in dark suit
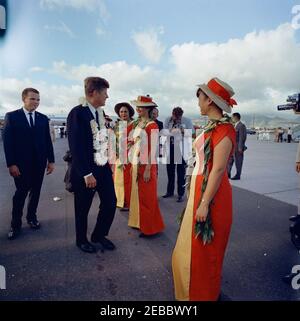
238,157
28,151
160,125
90,172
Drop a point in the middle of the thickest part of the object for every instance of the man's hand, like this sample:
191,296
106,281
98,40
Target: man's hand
14,171
298,167
90,181
50,168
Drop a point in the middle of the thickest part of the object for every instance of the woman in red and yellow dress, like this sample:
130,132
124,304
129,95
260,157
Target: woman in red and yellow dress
199,252
144,213
122,169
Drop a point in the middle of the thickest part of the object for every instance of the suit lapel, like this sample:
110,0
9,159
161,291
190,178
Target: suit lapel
23,118
37,120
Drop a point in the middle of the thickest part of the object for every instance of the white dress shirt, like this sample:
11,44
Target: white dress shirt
100,113
27,115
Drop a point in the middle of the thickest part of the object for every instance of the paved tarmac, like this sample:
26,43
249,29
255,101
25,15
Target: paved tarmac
46,265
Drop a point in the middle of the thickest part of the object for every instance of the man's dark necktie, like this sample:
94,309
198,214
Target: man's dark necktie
97,119
31,120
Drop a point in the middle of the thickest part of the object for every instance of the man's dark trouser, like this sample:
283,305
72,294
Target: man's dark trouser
289,138
83,198
181,169
30,182
238,159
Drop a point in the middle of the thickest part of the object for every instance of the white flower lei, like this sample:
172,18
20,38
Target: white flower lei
100,139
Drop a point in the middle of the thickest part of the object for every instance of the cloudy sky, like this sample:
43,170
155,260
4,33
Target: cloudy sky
158,47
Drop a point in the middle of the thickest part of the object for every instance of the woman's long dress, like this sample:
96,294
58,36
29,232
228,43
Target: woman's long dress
122,176
197,267
144,211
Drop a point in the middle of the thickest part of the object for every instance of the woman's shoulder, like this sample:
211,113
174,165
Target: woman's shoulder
222,130
226,128
152,125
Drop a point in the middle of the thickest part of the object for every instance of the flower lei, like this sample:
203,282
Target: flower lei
117,135
137,140
100,139
205,229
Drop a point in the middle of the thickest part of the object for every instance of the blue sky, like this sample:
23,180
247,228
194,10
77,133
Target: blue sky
94,33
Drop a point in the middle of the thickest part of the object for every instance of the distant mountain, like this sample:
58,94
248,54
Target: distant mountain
258,120
271,121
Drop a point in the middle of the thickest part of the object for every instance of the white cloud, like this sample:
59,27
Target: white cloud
257,66
62,27
263,68
54,99
149,45
36,69
100,32
121,75
88,5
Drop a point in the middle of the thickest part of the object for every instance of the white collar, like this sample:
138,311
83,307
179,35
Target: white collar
27,112
92,107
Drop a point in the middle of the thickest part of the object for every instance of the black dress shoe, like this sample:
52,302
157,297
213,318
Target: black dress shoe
294,218
13,234
87,247
235,178
168,195
180,199
105,243
35,225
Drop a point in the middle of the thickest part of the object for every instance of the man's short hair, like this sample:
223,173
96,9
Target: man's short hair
237,115
26,91
94,83
177,111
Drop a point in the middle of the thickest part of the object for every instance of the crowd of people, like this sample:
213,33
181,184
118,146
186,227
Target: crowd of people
127,178
283,135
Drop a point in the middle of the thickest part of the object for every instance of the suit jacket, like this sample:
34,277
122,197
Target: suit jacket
241,136
24,145
160,124
80,139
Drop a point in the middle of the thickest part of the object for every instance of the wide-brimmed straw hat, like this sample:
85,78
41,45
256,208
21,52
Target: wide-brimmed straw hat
124,104
220,93
144,101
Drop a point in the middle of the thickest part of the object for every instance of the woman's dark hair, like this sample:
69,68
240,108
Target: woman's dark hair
150,112
129,114
201,91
